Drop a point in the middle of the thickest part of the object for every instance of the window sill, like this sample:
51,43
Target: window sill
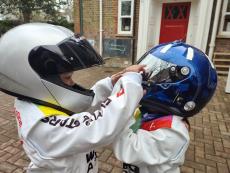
124,35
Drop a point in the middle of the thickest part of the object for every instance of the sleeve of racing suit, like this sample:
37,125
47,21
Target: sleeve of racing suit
150,148
102,90
59,136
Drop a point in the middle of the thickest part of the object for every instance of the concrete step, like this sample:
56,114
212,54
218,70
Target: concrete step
221,60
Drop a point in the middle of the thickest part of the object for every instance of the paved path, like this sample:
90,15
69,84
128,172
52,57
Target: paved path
209,150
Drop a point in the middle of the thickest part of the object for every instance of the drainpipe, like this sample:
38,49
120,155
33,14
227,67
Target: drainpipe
81,16
214,32
100,28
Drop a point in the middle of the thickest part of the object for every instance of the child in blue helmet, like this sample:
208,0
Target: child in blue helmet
179,82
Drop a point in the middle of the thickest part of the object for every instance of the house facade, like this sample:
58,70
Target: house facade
126,29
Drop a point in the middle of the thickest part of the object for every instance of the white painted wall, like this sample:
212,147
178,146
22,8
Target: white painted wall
204,18
227,88
154,23
143,27
193,22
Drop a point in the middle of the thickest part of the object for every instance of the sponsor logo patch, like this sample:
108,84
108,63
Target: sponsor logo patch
18,116
121,92
163,122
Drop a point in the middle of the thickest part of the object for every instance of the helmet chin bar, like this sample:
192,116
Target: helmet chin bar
154,107
55,79
36,101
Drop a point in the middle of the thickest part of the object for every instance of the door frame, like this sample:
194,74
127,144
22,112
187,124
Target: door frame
199,19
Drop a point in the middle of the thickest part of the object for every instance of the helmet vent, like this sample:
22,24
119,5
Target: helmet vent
190,54
189,106
184,71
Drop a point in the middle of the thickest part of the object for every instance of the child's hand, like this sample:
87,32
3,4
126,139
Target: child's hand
133,68
116,77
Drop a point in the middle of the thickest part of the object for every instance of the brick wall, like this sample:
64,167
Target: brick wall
90,19
76,16
110,18
110,11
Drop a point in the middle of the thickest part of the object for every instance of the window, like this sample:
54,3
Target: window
225,20
125,17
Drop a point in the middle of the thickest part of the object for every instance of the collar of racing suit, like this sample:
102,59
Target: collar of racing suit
149,121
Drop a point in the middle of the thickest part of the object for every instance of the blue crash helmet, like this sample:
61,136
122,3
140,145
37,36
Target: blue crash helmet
180,79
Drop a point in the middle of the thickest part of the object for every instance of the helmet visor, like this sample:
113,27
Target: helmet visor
74,53
79,53
160,71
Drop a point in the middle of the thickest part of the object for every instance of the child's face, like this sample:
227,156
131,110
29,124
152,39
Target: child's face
67,78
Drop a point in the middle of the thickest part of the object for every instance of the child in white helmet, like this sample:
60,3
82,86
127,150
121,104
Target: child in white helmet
60,123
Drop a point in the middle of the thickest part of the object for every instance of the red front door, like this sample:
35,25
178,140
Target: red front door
174,22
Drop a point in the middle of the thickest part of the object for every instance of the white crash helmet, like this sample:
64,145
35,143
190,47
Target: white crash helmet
33,55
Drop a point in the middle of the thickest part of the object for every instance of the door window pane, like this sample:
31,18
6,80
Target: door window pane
184,11
175,12
166,13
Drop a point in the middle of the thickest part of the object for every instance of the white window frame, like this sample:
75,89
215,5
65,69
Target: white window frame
119,31
224,13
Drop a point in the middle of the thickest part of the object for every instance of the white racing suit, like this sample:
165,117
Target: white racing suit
58,143
156,146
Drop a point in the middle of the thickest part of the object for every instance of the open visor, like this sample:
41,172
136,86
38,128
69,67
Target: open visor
160,71
74,53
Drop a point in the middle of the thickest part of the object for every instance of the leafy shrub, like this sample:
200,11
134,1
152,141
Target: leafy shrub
6,25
